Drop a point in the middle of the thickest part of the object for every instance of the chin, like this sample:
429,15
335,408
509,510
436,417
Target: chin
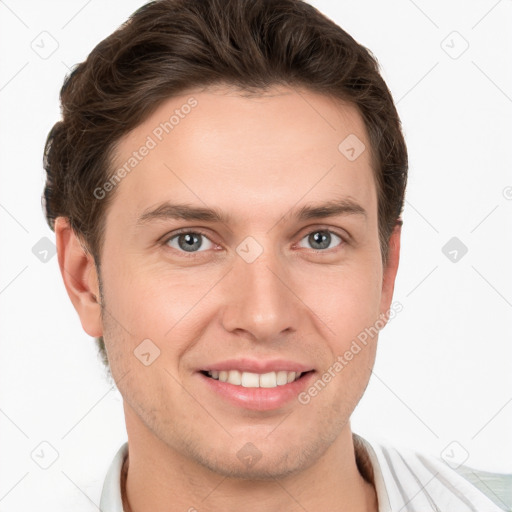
260,460
266,468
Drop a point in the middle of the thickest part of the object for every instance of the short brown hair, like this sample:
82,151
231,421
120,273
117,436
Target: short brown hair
169,46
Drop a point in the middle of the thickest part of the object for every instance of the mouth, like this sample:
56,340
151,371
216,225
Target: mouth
255,380
269,391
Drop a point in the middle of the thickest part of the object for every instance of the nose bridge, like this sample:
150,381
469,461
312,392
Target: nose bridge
258,300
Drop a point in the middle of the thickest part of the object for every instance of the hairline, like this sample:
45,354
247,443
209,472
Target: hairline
244,91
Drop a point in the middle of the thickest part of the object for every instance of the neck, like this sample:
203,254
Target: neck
156,477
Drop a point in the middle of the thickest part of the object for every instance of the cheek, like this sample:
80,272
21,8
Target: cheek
163,303
157,303
349,306
346,300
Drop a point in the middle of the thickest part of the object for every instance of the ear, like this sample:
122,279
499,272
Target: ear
391,268
80,277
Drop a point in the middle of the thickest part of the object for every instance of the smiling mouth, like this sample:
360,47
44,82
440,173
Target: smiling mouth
255,380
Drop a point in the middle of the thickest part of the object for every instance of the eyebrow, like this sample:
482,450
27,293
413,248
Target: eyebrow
168,210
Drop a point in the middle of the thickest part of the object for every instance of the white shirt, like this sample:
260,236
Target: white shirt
404,480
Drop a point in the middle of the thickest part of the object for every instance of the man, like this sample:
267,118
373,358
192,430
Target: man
226,187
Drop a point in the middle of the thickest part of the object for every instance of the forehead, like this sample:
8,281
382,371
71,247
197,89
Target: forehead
252,154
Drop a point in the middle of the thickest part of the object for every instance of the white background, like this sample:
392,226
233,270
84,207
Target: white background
443,369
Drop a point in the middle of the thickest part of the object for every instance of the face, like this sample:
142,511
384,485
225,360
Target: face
243,245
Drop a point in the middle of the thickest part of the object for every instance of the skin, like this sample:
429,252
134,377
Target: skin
256,159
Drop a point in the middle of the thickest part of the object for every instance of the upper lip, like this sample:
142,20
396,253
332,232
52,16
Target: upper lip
258,366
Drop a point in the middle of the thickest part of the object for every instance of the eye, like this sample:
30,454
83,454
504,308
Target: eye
189,241
321,239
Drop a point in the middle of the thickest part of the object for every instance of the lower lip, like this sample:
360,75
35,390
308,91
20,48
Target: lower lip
259,399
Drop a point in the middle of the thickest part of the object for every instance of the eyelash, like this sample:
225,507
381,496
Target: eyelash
197,254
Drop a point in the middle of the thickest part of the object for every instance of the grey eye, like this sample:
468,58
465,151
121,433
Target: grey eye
190,242
320,239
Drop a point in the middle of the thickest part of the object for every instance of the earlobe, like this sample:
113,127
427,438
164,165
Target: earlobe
80,277
391,269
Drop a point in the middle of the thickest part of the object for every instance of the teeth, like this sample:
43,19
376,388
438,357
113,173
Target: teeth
268,380
282,378
234,377
250,380
255,380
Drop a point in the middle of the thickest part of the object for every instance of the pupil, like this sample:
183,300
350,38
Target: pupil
189,242
321,238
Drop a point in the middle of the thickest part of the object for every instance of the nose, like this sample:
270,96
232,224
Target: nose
260,302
